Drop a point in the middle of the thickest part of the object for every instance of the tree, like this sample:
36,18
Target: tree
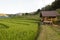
58,10
38,11
56,4
26,13
47,8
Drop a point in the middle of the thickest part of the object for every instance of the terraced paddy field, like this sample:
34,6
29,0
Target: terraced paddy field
27,28
19,28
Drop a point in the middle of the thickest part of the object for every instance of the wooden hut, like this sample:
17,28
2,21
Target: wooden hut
49,16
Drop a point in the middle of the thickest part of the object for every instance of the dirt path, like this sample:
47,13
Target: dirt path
47,33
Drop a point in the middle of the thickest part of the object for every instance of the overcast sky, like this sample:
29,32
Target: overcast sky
16,6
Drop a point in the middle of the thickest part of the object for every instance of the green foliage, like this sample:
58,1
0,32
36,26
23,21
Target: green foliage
20,28
55,5
58,10
47,8
37,12
26,13
3,26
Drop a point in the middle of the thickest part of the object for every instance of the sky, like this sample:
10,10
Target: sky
21,6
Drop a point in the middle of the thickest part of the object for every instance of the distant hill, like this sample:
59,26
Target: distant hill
3,15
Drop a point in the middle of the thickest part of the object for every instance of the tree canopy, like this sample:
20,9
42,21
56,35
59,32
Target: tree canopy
55,5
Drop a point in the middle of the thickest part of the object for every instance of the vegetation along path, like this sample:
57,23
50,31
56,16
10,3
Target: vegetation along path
48,33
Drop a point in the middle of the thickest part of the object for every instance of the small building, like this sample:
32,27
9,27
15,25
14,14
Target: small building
49,16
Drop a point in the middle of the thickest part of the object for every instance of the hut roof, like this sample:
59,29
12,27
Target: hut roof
49,13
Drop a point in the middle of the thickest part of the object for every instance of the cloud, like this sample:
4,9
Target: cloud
15,6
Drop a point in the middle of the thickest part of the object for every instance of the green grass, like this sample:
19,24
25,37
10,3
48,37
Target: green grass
19,28
49,33
58,10
57,29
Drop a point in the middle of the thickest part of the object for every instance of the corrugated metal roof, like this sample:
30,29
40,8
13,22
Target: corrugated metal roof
49,13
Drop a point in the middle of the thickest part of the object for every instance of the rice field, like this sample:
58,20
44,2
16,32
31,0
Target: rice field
18,28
